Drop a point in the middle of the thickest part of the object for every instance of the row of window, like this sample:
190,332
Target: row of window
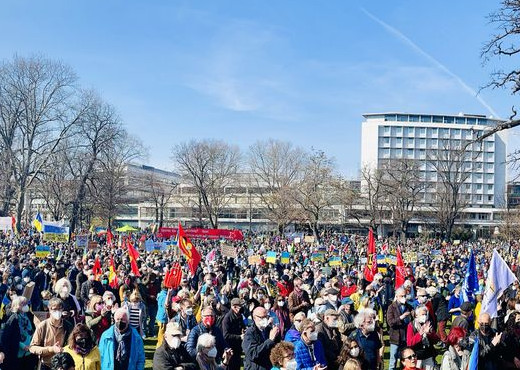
437,119
454,144
446,133
186,212
397,153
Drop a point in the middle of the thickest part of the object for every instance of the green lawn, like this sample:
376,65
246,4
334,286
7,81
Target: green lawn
149,350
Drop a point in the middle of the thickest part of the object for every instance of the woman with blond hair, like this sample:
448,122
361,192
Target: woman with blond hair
137,311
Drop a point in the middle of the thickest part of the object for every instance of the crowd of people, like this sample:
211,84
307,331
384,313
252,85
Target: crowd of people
61,311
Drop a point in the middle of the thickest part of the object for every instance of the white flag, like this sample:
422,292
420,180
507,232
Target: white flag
499,278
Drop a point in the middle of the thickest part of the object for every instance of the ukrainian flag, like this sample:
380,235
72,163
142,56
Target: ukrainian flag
38,222
5,302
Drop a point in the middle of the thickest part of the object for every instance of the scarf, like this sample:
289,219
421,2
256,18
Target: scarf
121,353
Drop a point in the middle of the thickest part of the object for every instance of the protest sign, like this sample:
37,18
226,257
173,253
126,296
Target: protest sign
308,239
81,241
334,261
285,257
271,257
42,251
255,259
228,251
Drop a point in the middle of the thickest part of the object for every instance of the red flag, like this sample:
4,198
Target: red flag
189,250
110,237
134,255
112,275
400,273
371,266
174,276
96,269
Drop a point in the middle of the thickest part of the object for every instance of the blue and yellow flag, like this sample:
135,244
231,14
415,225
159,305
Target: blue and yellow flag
38,222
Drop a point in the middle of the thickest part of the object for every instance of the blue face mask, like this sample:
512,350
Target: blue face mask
45,302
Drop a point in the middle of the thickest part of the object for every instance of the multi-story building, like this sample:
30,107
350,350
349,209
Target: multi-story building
420,137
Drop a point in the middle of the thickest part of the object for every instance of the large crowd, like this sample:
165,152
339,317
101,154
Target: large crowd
66,310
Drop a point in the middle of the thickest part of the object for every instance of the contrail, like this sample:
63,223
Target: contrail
394,31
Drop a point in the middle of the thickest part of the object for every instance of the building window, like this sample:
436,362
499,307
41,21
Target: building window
409,153
448,119
438,119
398,142
490,187
386,130
472,121
398,131
414,118
402,118
460,120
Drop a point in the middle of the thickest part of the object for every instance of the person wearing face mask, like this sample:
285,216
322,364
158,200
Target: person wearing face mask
421,337
511,341
308,350
137,311
171,354
298,300
490,343
367,338
121,347
207,354
50,335
233,328
97,316
457,355
90,284
83,349
71,305
258,341
398,316
185,318
282,356
331,302
330,337
293,334
282,313
351,350
207,325
16,337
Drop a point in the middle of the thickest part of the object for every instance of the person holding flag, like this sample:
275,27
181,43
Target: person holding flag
470,284
38,222
487,345
371,266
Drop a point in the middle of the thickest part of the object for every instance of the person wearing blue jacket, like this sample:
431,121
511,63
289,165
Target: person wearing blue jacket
121,346
162,314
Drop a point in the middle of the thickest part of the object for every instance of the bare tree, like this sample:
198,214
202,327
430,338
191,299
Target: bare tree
403,187
44,106
450,166
373,195
276,166
160,191
318,189
109,187
211,166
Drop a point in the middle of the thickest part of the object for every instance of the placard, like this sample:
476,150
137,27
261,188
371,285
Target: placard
81,241
285,257
297,240
255,259
28,290
334,261
42,251
228,251
410,257
92,244
308,239
270,257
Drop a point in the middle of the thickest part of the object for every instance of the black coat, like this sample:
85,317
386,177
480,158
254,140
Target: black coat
232,326
166,358
440,307
330,339
10,339
257,349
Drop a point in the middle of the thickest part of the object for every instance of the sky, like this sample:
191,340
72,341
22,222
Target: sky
296,70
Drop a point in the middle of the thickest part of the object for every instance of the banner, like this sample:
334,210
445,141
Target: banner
334,261
154,246
42,251
271,257
228,251
81,241
317,257
285,257
391,259
235,235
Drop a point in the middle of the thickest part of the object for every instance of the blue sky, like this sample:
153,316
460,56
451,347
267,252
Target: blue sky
296,70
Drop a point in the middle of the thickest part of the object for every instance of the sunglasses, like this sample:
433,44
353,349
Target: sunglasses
410,357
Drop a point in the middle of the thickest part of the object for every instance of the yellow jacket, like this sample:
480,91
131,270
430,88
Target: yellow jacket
92,361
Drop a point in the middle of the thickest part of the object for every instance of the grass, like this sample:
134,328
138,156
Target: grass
149,350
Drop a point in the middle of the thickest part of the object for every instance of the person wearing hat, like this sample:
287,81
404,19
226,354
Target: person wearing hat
171,354
346,316
331,296
330,337
293,334
463,320
233,328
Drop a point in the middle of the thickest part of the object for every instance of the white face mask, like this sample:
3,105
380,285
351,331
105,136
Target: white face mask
212,353
422,319
56,315
402,300
297,325
267,306
333,298
25,309
371,327
291,365
313,336
174,342
354,352
517,307
264,323
189,311
334,324
281,303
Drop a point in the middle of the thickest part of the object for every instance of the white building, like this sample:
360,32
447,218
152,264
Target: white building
416,136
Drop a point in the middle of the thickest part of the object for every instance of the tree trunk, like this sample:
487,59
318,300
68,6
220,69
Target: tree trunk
19,208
